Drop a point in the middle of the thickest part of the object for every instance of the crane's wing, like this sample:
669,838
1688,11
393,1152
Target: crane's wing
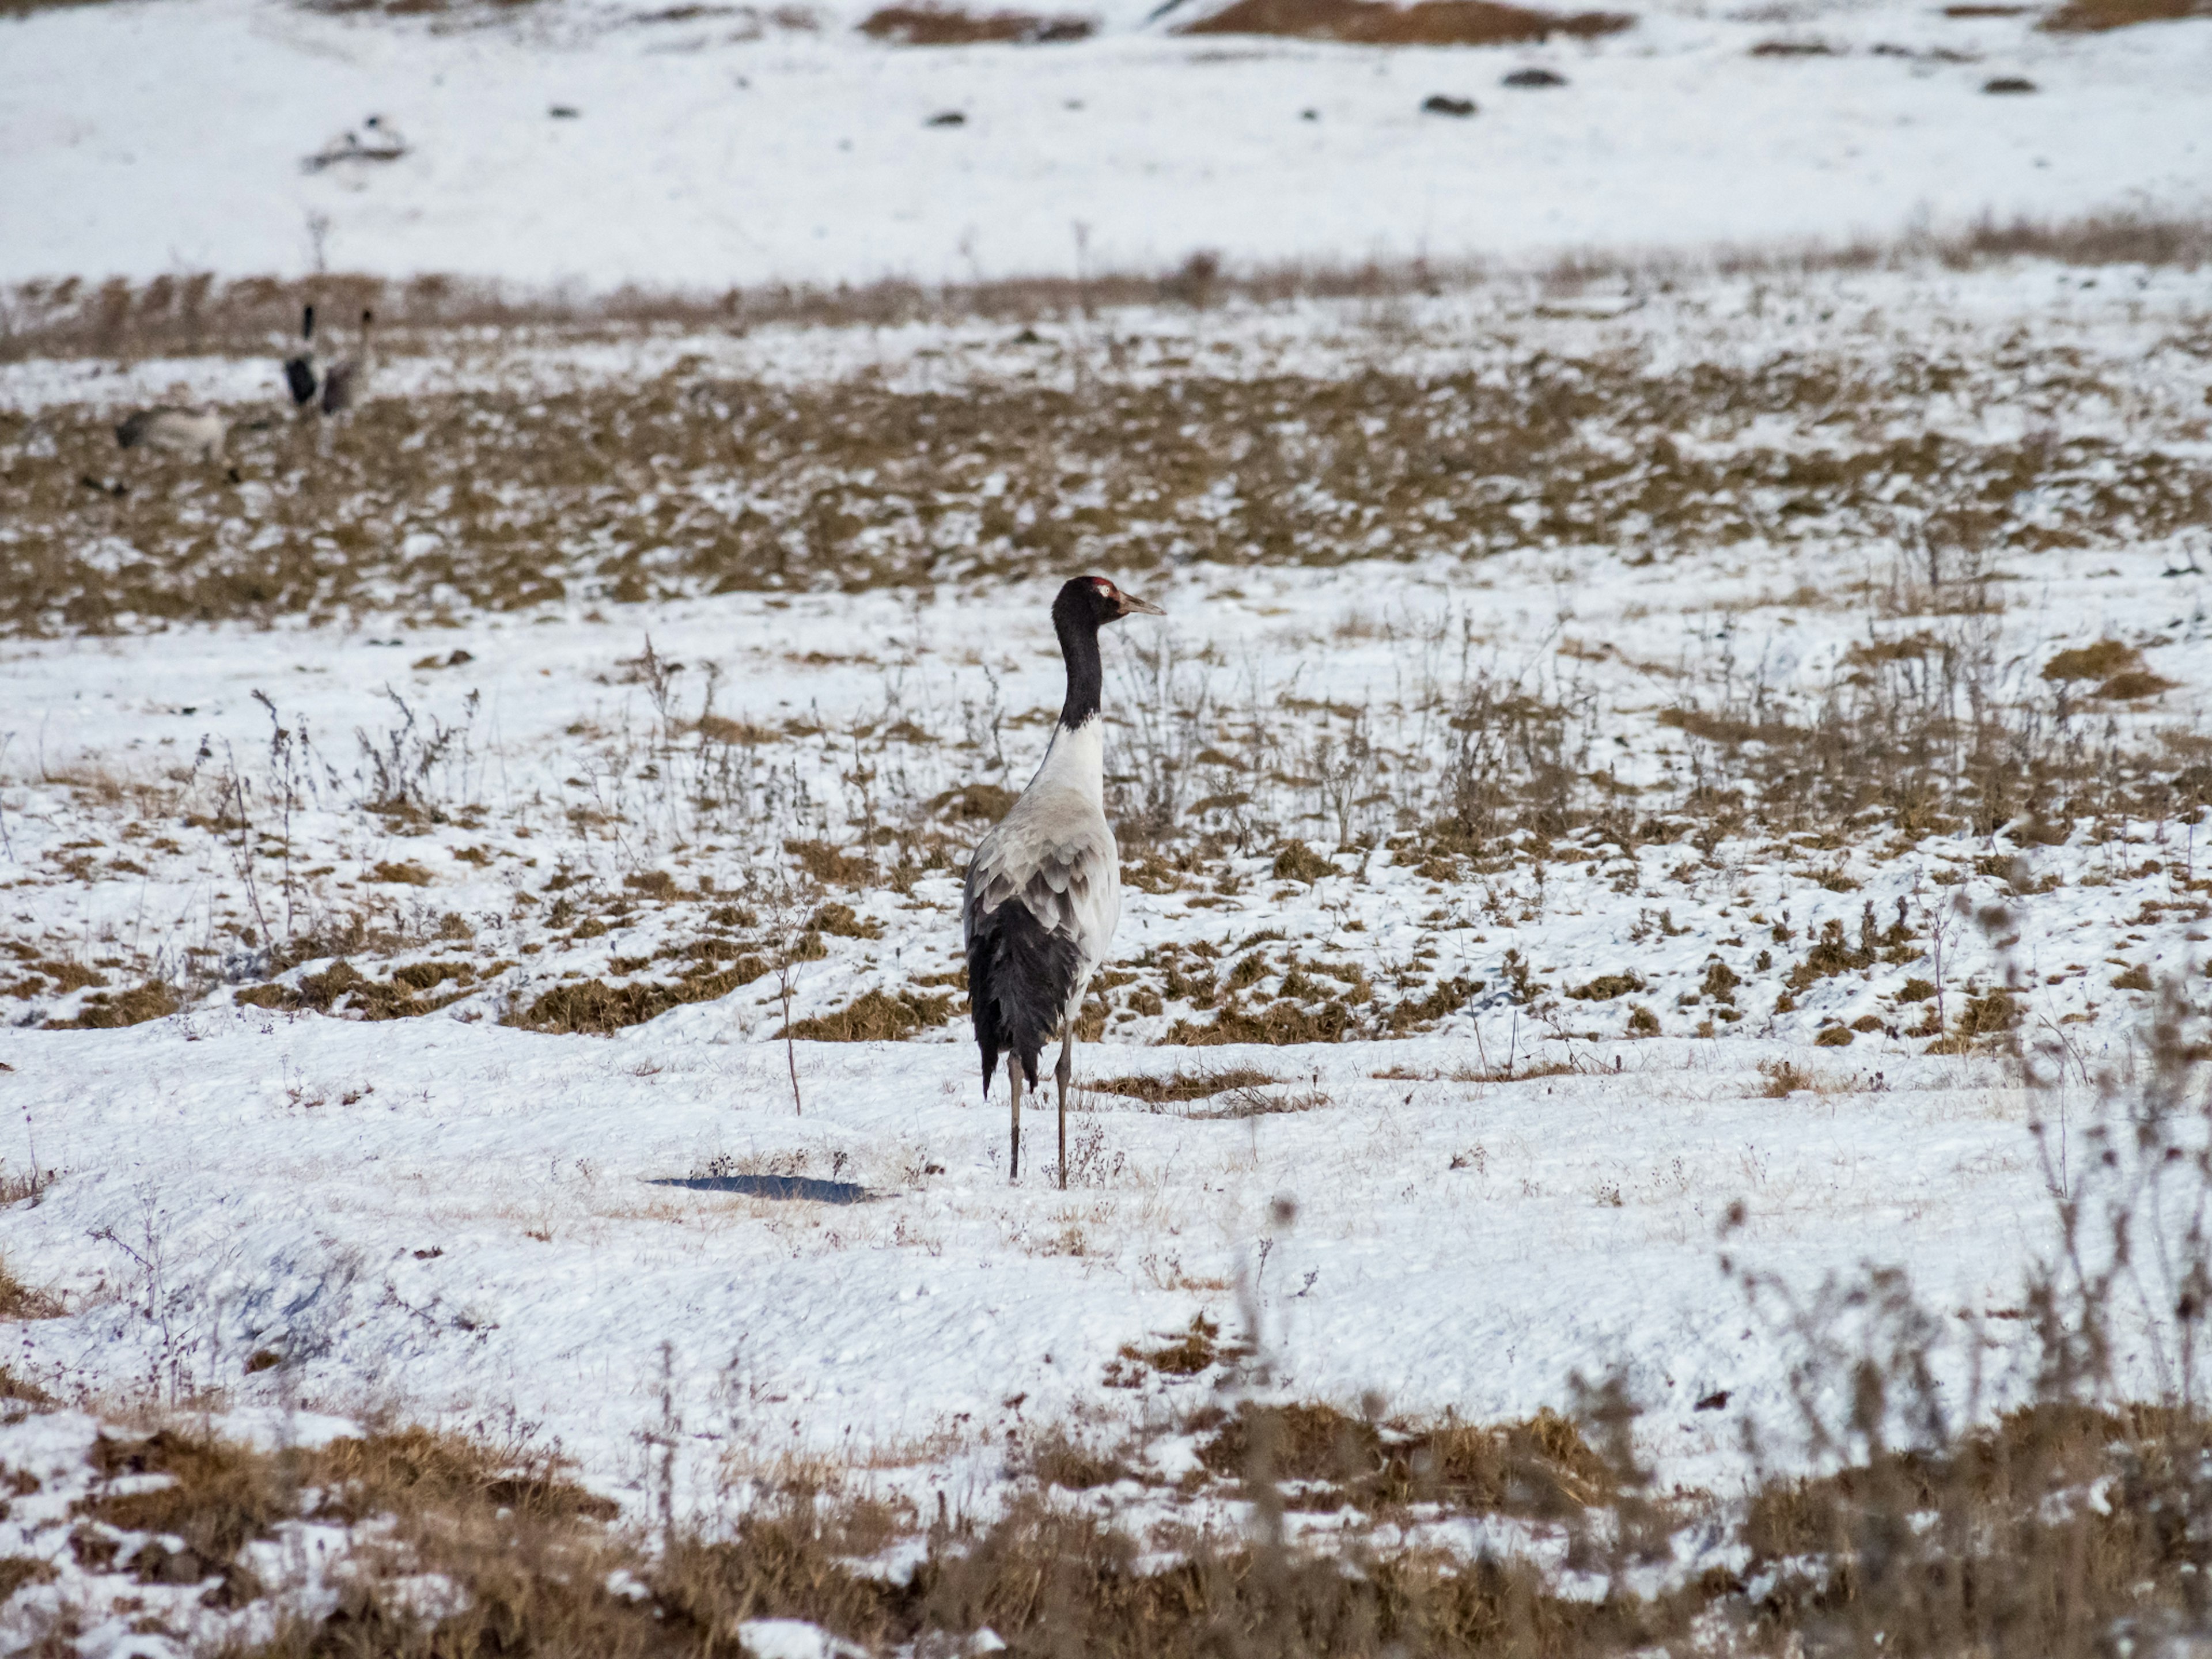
1067,876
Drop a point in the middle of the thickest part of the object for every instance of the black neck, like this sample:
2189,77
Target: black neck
1078,646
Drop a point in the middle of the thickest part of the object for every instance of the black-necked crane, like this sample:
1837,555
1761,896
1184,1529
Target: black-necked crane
196,432
303,373
345,382
1044,888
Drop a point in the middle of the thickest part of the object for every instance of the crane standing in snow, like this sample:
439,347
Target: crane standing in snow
303,373
345,382
1044,889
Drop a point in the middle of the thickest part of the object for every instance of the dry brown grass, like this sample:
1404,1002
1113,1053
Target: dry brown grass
2090,17
1969,1546
105,1012
2093,662
1183,1085
1539,1468
1424,23
446,10
195,314
948,26
849,484
20,1301
875,1017
594,1006
536,1566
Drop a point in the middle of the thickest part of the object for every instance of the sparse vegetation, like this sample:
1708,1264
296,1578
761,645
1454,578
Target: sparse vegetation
950,26
1423,23
2093,16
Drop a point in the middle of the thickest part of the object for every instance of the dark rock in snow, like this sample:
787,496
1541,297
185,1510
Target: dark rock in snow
950,118
2013,83
1438,103
1534,77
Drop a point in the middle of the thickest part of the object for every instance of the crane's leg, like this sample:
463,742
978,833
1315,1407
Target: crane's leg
1064,1071
1014,1088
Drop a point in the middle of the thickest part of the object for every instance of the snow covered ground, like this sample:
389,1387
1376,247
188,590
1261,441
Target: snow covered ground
445,1217
463,1223
1615,753
710,146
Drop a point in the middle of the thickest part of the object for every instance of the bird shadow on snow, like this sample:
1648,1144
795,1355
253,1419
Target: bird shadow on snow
771,1186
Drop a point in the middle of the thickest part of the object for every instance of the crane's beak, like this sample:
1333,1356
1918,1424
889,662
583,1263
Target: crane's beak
1132,605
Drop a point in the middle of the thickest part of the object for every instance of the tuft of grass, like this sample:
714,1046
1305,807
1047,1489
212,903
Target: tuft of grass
2093,662
1282,1022
1783,1078
830,864
2135,685
974,802
595,1007
1058,1460
2095,16
875,1017
1424,23
948,26
1296,862
1188,1353
19,1301
1605,986
1541,1467
102,1012
17,1570
1183,1085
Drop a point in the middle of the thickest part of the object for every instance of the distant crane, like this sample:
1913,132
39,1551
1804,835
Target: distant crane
303,373
1044,888
345,384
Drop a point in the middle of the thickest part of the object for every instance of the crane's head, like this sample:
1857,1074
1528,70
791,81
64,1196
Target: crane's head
1096,600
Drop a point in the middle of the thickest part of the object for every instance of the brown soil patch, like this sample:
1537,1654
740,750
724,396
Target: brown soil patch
1425,23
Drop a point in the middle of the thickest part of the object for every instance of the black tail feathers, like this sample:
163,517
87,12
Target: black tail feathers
1020,980
300,377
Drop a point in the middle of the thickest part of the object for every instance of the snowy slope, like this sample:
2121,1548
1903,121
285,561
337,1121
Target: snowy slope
705,153
465,1224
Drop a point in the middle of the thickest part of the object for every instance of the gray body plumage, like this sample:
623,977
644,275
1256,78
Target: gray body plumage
1053,860
345,382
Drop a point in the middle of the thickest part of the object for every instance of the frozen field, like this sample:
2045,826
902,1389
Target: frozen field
1642,781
